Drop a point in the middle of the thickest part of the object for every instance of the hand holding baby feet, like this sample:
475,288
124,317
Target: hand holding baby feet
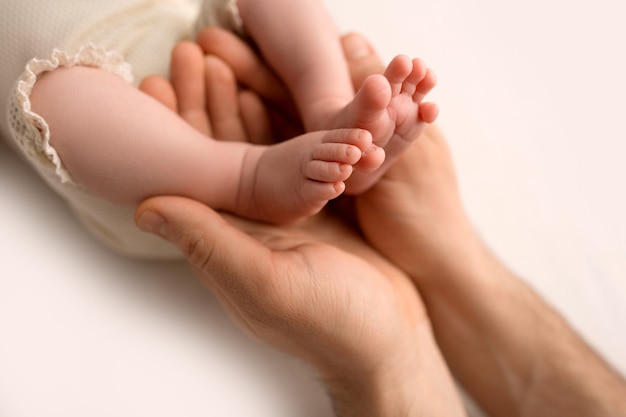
294,179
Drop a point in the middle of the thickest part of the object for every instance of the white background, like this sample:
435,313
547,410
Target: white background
532,98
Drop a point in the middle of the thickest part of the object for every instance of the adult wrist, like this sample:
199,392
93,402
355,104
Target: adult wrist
414,383
457,256
370,395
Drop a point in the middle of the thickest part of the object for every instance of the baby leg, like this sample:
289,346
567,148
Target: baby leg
296,178
124,146
300,41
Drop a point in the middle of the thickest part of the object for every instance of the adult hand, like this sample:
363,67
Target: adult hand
246,100
348,312
514,353
315,290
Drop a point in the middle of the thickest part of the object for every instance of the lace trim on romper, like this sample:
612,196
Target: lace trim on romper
30,131
112,224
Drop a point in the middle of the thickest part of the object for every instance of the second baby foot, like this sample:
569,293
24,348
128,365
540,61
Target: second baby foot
391,107
296,178
391,103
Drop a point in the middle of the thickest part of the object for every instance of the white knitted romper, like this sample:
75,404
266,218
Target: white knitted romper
131,38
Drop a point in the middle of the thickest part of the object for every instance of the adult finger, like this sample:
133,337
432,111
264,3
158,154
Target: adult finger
222,101
161,90
250,70
187,77
255,118
361,57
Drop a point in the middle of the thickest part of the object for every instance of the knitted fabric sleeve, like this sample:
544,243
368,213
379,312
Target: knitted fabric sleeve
146,46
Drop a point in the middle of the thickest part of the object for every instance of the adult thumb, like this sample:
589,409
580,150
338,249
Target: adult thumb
221,255
362,59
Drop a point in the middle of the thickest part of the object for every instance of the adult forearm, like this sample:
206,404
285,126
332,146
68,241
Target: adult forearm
512,351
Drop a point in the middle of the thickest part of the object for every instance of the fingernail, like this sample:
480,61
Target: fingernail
355,47
152,222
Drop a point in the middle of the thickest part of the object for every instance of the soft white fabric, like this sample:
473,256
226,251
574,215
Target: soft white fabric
129,38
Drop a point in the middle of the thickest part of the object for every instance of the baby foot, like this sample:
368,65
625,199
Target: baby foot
390,107
410,81
296,178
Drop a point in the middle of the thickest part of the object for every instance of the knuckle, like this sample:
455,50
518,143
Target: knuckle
198,250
